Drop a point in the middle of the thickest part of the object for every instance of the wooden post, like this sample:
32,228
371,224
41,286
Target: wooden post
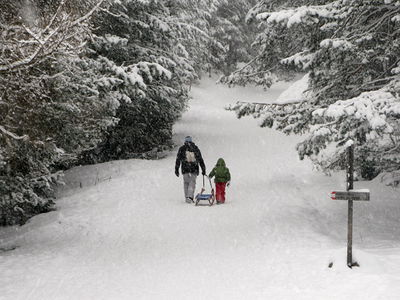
350,179
350,195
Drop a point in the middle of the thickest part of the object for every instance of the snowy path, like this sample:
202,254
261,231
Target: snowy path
127,233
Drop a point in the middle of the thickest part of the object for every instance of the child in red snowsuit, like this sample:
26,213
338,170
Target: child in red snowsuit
222,178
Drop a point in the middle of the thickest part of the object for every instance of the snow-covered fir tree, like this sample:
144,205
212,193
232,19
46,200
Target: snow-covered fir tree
213,32
271,44
191,20
141,50
154,50
350,49
53,104
231,35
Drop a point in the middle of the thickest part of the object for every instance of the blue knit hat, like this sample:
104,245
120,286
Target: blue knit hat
188,139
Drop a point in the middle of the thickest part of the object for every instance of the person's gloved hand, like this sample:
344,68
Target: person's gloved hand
228,183
177,173
204,173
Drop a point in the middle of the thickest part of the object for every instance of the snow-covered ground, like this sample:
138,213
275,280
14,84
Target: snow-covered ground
123,231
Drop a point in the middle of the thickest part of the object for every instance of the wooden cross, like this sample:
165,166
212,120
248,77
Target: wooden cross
350,195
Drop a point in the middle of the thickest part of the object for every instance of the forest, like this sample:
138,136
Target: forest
83,82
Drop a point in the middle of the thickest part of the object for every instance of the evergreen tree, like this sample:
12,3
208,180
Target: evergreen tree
140,46
231,35
191,21
53,104
274,41
350,49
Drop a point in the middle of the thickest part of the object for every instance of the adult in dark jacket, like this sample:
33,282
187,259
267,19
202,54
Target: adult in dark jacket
189,158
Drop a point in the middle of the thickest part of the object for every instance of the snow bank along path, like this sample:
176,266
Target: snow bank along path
123,231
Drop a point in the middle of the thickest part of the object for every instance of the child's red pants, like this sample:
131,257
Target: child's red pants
220,191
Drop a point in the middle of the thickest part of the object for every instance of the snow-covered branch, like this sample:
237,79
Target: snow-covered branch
294,16
88,15
12,135
24,45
